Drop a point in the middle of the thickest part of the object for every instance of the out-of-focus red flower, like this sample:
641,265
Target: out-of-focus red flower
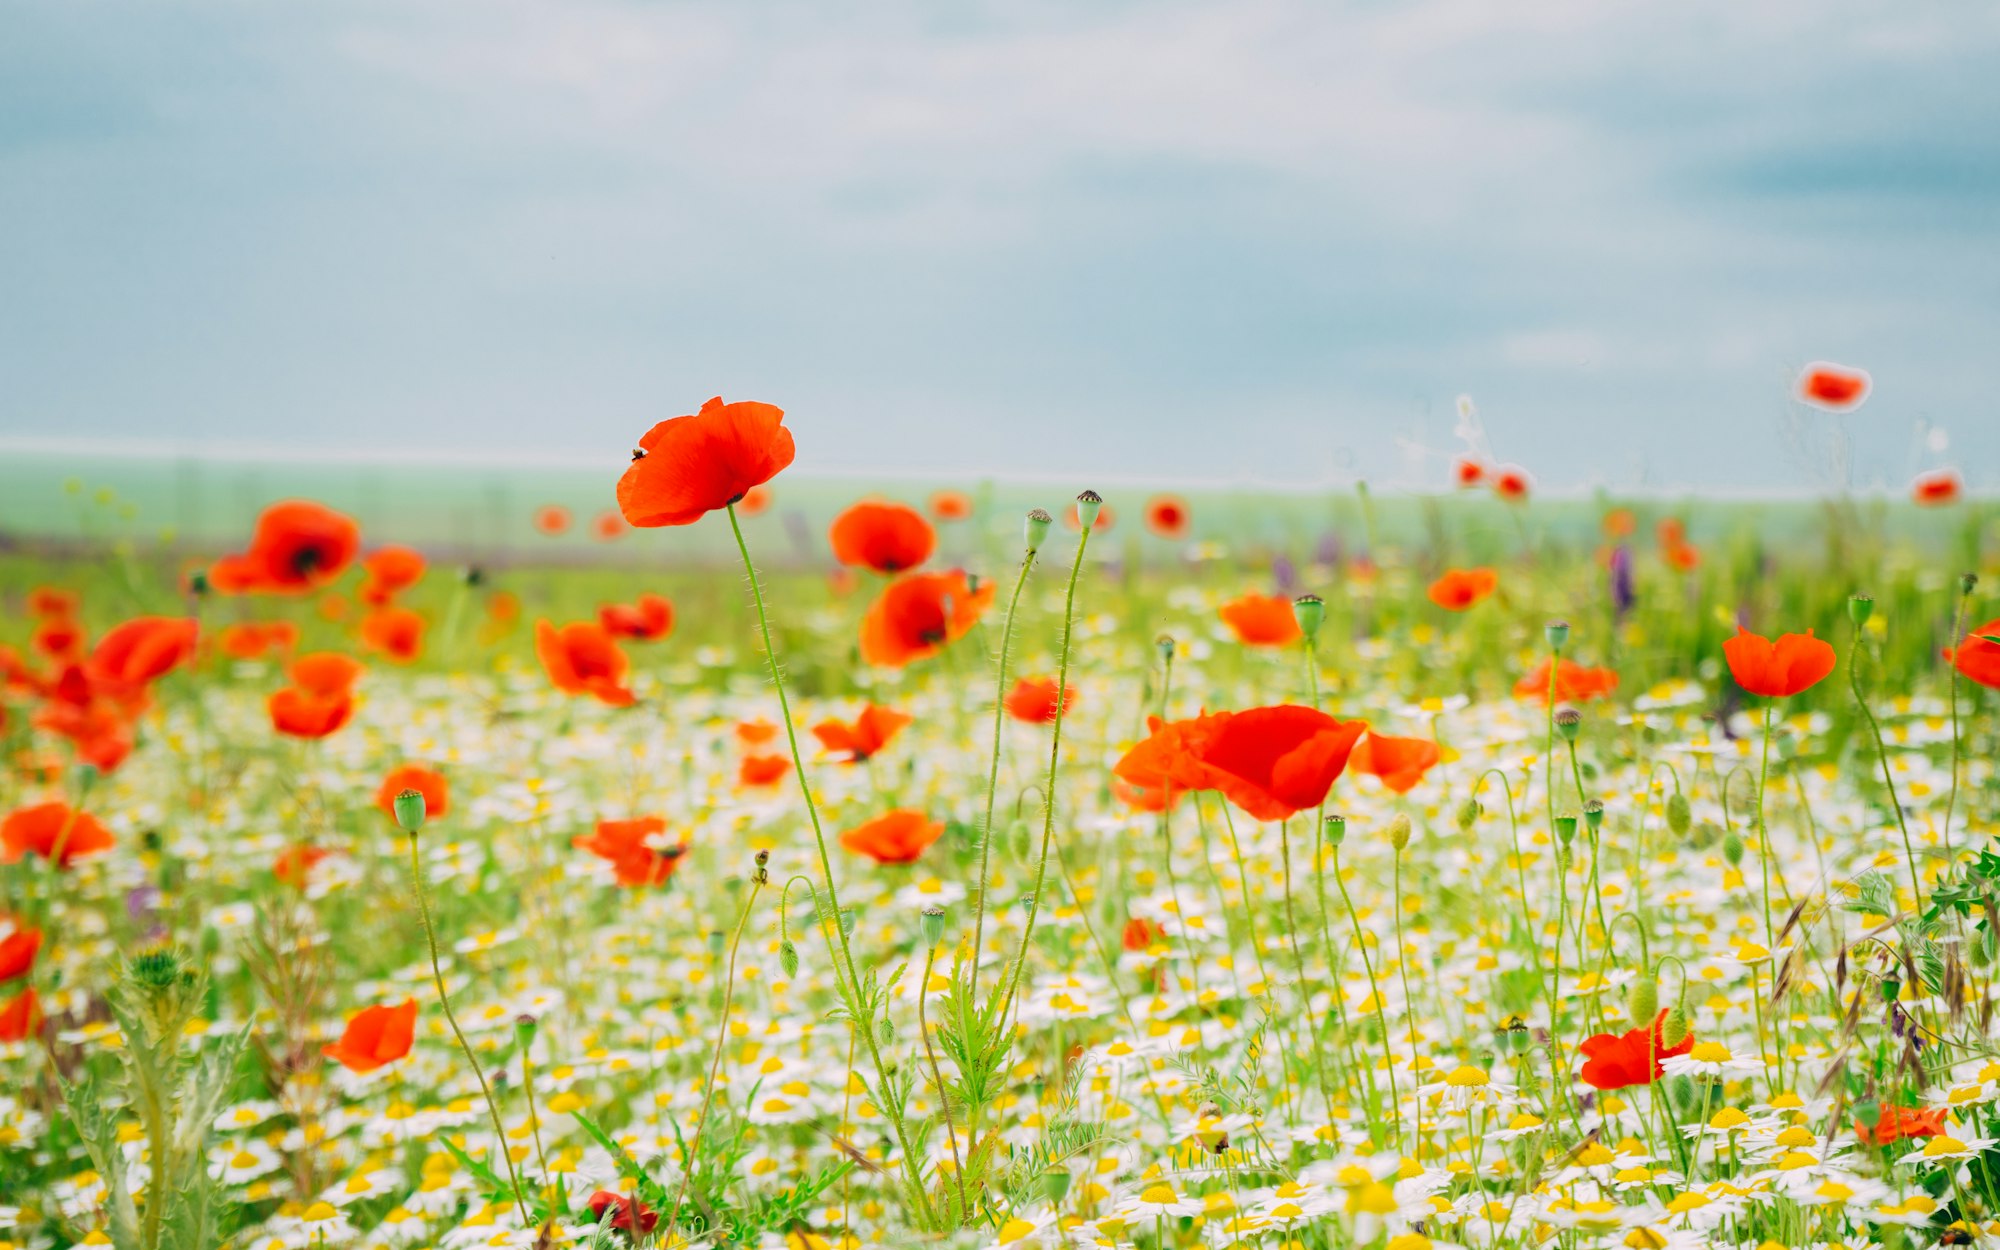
950,505
1468,472
55,831
1167,516
294,864
1261,620
390,572
628,1213
297,546
397,633
897,837
1275,762
47,601
1459,589
1978,658
756,733
1934,490
886,537
1512,483
21,1017
608,525
1778,670
866,735
375,1037
1400,763
59,637
1033,699
325,673
1836,388
648,619
688,467
425,781
583,658
552,519
919,614
636,849
251,640
133,655
1575,683
1897,1123
18,947
1140,933
1620,523
755,500
1617,1061
1105,517
762,770
298,713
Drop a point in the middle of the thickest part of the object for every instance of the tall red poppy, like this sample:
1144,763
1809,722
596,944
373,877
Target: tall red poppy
1033,699
897,837
142,650
18,947
425,781
1262,620
1459,589
21,1016
1836,388
397,633
918,614
298,545
390,571
648,619
1575,683
375,1037
1167,763
1400,763
687,467
55,831
1778,670
294,864
1978,658
637,850
325,673
866,735
886,537
1167,516
1616,1061
762,770
299,713
583,658
1934,490
1275,762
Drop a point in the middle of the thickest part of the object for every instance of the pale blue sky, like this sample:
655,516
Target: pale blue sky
1271,239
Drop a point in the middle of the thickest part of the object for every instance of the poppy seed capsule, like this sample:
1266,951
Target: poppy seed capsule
1087,505
410,811
1165,645
1568,722
1680,817
1557,632
1336,830
1674,1029
932,922
1310,611
1593,814
1860,608
524,1030
1642,1001
1037,529
1566,829
1055,1185
1399,831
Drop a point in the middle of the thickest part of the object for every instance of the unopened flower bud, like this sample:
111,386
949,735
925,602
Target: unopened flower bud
1336,829
1568,722
1680,817
1642,1001
1557,632
1732,848
1593,814
1310,611
932,923
788,957
1468,814
1037,529
1674,1029
847,922
410,811
1087,506
1860,608
763,875
1967,583
1566,829
1399,831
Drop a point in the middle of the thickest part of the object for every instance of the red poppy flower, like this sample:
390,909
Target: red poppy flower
688,467
299,713
297,545
950,505
398,633
1620,523
1575,683
1468,472
918,614
17,950
142,650
1934,490
755,500
391,571
1140,933
897,837
294,864
649,619
1780,669
1978,658
1074,519
1262,620
1512,483
756,732
325,673
886,537
21,1017
1459,589
762,770
1400,762
1616,1061
607,525
99,727
332,607
552,519
583,658
54,831
251,640
1033,699
1275,762
628,1213
1833,387
1684,556
1897,1123
1167,516
46,601
425,781
59,637
375,1037
637,850
1167,764
867,735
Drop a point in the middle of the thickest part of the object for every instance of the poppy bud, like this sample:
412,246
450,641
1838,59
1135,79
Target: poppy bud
410,811
788,958
1399,831
1087,505
1568,721
1468,814
1336,829
1642,1001
933,924
1566,829
1593,814
1732,848
1055,1185
1310,611
198,582
1037,528
1557,632
1860,608
1165,645
1680,817
885,1033
1674,1029
763,876
847,922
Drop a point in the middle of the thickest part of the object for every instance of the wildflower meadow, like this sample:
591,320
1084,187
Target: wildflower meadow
1096,875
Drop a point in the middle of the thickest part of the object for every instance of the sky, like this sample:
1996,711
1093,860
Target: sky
1267,241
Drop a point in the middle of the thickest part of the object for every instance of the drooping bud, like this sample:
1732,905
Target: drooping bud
1674,1029
1557,632
1680,817
1860,608
1310,611
410,811
1732,848
1468,814
1087,506
1568,722
1593,814
1399,831
1642,1001
932,923
1037,528
788,958
1336,829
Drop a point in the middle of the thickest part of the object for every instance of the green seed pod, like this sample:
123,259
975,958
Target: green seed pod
1087,506
932,923
1593,814
1642,1001
1310,611
1055,1186
788,958
524,1030
1557,632
1399,831
410,811
1568,722
1732,848
1860,608
1037,529
1890,989
1680,817
1336,830
1674,1029
1565,829
1468,815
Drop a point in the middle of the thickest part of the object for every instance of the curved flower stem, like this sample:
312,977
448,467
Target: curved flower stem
1375,992
993,768
444,1000
845,975
715,1057
1882,753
